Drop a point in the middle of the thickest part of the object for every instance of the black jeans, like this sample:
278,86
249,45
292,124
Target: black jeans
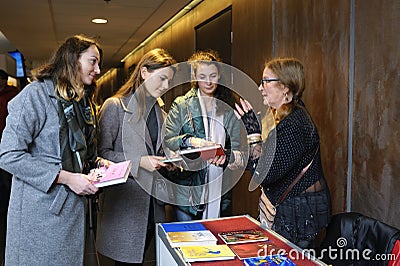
299,219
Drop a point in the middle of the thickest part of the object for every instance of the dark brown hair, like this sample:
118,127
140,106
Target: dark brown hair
152,60
64,68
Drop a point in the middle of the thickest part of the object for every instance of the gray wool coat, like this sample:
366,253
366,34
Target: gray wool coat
124,209
45,221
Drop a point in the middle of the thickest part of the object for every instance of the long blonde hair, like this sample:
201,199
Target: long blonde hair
152,60
64,68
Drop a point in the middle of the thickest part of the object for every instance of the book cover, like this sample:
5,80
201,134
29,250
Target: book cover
191,238
204,153
273,260
172,160
243,236
182,227
207,253
256,249
116,173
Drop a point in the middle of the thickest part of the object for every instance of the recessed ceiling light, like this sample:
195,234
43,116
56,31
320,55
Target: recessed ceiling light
99,20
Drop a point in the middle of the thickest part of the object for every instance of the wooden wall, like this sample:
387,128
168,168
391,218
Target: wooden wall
350,49
317,32
376,139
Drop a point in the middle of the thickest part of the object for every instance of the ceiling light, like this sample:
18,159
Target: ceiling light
99,20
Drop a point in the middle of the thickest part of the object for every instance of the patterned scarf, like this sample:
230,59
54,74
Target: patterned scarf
78,128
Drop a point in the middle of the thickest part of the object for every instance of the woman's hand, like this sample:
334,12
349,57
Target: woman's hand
218,160
199,142
80,184
172,166
243,109
152,162
246,114
101,162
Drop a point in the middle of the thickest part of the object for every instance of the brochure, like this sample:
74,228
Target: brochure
243,236
207,253
116,173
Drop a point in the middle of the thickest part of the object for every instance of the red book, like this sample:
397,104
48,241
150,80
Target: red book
256,250
204,153
116,173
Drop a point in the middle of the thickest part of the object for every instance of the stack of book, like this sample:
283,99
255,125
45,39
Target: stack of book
253,247
188,234
196,243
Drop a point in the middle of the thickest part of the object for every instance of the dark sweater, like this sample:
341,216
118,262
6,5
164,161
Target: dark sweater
288,149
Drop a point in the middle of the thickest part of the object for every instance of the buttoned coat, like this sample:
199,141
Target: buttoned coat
45,221
124,209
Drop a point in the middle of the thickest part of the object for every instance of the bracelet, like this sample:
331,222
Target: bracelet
253,139
185,141
254,142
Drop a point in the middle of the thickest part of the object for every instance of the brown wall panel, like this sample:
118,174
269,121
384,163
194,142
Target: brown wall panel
317,32
252,41
251,47
182,44
376,146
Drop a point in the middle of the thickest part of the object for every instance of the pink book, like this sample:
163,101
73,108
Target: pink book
114,174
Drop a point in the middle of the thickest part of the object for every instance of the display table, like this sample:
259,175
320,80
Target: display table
168,256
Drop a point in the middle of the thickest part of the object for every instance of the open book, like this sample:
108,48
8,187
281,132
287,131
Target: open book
116,173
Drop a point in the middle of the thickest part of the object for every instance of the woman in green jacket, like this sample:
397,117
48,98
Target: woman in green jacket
204,116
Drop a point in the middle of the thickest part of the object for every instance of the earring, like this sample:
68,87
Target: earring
286,98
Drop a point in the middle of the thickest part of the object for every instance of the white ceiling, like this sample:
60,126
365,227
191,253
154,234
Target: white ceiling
37,27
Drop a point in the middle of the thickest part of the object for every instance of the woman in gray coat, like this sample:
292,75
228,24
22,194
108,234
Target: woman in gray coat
48,144
130,128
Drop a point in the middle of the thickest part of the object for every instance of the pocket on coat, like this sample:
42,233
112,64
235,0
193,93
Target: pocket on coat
59,201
